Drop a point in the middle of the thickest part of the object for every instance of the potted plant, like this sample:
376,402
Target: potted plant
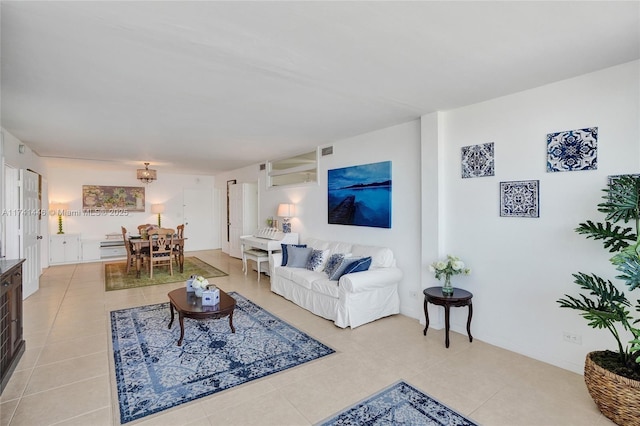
613,377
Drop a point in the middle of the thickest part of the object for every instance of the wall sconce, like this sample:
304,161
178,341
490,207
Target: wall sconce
157,209
146,175
59,209
286,212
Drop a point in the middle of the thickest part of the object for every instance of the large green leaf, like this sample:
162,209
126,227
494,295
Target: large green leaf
615,238
606,308
622,199
627,262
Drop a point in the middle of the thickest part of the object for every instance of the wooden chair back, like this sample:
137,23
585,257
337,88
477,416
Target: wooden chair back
162,231
161,249
127,246
178,247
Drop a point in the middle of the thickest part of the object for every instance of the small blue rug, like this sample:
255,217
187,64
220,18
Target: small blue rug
153,374
399,404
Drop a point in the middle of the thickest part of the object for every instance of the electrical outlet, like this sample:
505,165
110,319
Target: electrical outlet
571,338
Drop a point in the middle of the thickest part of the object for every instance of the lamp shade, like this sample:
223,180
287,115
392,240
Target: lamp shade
58,208
157,208
286,210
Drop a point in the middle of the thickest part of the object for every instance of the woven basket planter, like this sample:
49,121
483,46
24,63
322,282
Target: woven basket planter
617,397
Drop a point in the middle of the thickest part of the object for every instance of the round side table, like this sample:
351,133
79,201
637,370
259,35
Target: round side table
459,298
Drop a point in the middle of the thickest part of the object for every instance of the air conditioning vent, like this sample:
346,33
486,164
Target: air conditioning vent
263,167
327,151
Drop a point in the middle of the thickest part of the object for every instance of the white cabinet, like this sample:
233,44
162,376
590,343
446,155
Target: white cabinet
64,248
90,250
243,214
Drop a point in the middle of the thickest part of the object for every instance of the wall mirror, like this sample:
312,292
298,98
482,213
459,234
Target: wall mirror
297,170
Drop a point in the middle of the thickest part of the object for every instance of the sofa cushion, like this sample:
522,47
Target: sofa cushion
317,260
339,247
325,286
298,256
339,271
284,272
305,277
317,244
285,252
333,263
381,257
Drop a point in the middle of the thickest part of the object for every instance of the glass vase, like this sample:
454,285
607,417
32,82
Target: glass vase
447,288
199,291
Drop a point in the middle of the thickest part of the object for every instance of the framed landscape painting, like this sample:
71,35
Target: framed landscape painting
96,197
360,195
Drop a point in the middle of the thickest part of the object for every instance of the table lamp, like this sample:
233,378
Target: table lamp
286,212
157,209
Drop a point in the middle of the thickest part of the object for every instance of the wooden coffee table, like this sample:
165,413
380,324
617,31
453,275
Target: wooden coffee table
190,306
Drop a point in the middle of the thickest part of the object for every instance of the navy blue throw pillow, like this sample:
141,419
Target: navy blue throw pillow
359,266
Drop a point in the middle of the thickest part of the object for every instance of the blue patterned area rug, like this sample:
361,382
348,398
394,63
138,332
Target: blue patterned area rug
399,404
154,374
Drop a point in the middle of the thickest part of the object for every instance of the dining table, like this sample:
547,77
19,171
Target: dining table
138,243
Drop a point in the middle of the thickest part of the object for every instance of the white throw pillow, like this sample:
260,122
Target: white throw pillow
317,260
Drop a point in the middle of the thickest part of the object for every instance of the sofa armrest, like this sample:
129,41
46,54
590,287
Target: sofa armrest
275,260
369,280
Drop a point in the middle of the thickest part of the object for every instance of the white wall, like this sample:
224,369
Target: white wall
65,185
398,144
521,266
27,160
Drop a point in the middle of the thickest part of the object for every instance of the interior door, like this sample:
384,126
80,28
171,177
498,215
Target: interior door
29,231
11,242
201,224
243,214
235,220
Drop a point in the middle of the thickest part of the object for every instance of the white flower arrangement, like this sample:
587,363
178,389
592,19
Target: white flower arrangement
200,282
452,266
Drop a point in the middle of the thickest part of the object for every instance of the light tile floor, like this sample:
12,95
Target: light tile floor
66,374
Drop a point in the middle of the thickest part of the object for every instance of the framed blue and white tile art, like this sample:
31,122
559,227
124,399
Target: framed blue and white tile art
477,160
360,195
520,198
572,150
612,178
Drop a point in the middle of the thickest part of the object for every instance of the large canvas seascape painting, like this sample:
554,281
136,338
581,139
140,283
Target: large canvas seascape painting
360,195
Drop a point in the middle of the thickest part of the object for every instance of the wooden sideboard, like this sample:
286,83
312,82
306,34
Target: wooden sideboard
12,344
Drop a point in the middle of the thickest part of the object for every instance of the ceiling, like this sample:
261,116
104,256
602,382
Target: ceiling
206,87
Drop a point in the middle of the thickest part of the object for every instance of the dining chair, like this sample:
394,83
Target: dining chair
161,243
142,229
178,247
130,253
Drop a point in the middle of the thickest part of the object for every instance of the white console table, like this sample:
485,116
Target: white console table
250,242
112,249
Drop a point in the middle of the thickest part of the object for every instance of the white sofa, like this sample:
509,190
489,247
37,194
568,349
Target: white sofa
356,299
